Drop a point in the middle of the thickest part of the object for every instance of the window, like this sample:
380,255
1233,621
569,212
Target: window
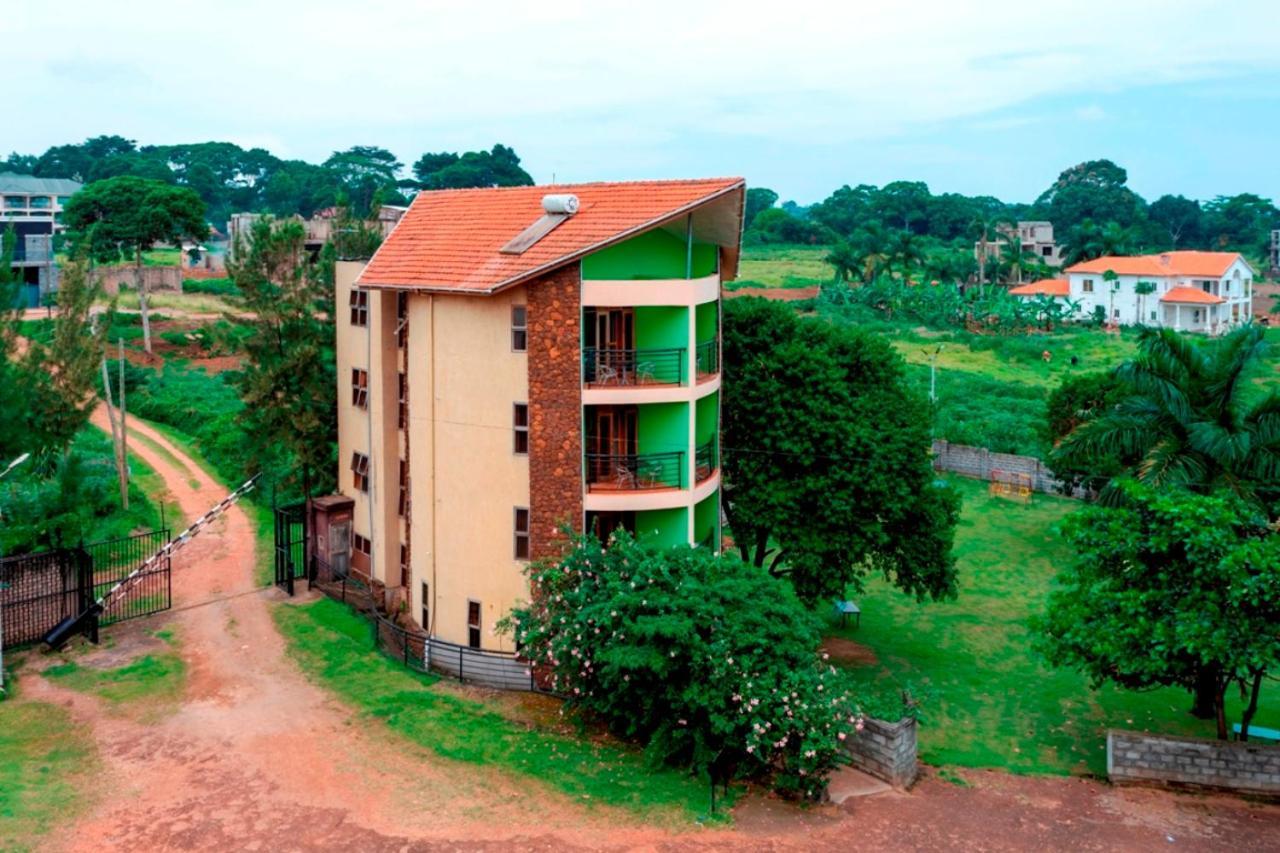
359,388
1046,251
1088,285
360,544
519,328
522,533
426,607
1153,315
404,566
473,624
1115,312
403,507
520,423
402,319
404,400
360,470
359,307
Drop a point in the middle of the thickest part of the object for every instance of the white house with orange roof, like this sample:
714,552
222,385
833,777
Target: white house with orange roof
1190,291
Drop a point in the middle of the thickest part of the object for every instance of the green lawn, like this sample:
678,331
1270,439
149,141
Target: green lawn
331,644
782,266
993,703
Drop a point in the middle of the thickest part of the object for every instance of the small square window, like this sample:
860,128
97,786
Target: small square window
359,307
1088,285
522,533
360,544
359,388
519,328
360,470
520,423
473,624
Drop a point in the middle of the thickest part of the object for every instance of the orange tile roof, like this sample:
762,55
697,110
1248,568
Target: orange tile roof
449,239
1191,296
1047,287
1191,264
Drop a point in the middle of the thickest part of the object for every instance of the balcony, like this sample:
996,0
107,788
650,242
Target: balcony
707,359
632,367
629,472
706,460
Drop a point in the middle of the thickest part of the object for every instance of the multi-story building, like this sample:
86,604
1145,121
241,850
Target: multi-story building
514,361
1192,291
1035,237
32,207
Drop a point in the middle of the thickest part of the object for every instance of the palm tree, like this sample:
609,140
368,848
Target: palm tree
987,228
844,259
1189,421
1143,289
905,249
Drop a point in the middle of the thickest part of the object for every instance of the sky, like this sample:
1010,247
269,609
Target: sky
799,96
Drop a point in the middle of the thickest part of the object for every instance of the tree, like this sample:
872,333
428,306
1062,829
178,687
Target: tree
1143,289
364,172
499,167
1170,590
1242,222
776,225
1180,219
62,374
125,216
1190,419
1079,399
709,662
1089,240
826,457
289,383
758,199
13,435
1093,190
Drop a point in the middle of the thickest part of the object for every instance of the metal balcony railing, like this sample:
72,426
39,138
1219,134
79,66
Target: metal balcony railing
635,471
633,367
706,459
708,358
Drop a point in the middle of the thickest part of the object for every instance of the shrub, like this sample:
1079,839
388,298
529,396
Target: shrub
215,286
707,660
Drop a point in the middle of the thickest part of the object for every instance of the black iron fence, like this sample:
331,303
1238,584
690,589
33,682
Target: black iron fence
707,358
290,545
635,471
602,366
38,591
706,459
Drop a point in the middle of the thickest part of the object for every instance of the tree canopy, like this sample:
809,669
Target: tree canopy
826,457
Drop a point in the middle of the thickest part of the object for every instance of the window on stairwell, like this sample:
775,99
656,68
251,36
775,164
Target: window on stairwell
402,319
403,382
522,533
360,545
473,624
404,567
426,607
359,307
403,506
520,424
359,388
519,328
360,471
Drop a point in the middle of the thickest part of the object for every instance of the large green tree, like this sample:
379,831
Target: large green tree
289,383
123,217
1094,190
1170,590
1190,419
826,457
498,167
1178,221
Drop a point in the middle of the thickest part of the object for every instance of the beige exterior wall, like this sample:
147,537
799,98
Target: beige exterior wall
465,478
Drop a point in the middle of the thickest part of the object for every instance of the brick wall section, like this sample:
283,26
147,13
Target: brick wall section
978,462
1137,758
555,409
885,750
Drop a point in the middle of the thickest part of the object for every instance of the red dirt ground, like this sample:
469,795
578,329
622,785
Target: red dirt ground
255,757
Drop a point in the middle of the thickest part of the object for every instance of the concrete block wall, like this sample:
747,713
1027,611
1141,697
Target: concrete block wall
886,750
978,462
1137,758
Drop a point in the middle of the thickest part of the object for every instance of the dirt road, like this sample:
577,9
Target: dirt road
256,757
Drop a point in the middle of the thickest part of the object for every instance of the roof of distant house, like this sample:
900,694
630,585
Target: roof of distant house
1191,296
451,240
1047,287
1206,264
12,182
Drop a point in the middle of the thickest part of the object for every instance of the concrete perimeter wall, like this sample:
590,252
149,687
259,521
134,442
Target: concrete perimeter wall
1137,758
885,750
978,462
157,279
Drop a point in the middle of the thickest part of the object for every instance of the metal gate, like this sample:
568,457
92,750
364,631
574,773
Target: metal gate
291,538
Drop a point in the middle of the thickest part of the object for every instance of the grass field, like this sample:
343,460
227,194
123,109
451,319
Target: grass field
330,643
144,688
993,702
782,266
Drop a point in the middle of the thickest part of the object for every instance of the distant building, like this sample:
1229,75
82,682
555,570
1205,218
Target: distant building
32,207
319,228
1035,237
1191,291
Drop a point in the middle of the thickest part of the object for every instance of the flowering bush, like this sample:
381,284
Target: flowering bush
709,661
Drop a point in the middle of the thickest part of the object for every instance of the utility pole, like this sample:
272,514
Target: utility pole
933,371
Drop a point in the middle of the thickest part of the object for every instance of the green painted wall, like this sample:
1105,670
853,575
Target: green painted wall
706,518
653,254
663,427
662,327
706,320
708,412
663,528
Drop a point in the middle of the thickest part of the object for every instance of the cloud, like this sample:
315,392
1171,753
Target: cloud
1090,112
